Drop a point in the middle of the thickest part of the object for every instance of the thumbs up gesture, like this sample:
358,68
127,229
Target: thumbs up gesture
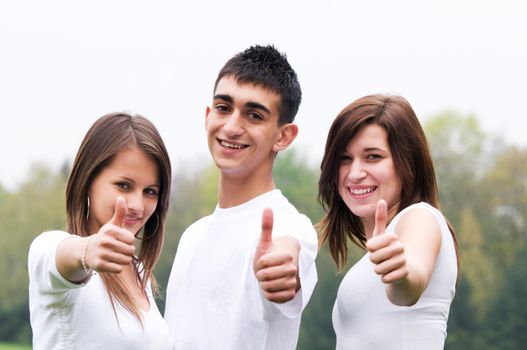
386,250
112,248
275,263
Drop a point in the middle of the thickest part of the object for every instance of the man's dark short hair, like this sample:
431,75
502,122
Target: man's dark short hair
266,66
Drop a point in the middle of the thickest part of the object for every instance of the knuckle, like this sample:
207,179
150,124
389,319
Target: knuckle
289,295
292,285
105,241
265,286
272,297
402,261
262,262
108,229
262,276
391,238
292,271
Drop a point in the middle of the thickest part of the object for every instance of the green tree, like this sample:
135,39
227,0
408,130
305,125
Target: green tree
507,328
299,183
479,272
483,189
506,188
483,186
459,150
38,205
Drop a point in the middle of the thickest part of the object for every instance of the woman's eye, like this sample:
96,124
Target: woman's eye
151,192
123,185
374,156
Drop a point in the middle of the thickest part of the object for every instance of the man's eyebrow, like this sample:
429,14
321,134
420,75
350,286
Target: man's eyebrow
224,97
256,105
250,104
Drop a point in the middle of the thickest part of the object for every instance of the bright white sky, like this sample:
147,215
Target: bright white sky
65,63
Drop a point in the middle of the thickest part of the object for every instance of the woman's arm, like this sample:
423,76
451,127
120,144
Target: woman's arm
405,259
69,257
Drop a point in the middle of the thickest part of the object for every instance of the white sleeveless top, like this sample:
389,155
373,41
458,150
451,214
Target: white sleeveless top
364,318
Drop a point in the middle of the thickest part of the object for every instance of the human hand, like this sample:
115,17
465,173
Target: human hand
386,250
275,263
112,248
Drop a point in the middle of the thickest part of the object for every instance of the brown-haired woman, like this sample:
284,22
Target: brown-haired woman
378,189
89,288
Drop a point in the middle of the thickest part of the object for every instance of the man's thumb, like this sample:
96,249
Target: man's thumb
266,237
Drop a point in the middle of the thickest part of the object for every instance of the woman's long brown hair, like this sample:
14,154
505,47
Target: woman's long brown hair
107,136
412,161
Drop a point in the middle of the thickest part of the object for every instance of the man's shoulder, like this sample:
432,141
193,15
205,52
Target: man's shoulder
198,224
287,218
290,212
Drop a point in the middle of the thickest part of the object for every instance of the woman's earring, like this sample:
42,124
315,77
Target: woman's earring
153,232
88,208
157,223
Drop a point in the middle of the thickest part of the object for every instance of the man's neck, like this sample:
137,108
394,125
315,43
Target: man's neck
233,191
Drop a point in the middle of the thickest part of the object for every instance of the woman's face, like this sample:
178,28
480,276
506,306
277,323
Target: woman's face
367,174
133,175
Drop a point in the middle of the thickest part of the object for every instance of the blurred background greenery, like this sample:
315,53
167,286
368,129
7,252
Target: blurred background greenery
483,188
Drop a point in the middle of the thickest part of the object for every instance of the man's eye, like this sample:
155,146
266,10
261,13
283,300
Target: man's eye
222,108
256,116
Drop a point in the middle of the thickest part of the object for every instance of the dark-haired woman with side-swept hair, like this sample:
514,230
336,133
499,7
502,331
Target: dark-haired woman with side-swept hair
378,189
89,287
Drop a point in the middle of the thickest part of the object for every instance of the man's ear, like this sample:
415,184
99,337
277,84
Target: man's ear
207,111
288,133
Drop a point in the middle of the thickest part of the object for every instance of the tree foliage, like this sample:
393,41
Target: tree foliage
483,190
36,207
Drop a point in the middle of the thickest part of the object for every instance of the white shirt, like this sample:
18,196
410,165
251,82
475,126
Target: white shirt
214,300
66,315
364,318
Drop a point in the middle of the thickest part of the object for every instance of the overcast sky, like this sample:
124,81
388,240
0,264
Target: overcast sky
65,63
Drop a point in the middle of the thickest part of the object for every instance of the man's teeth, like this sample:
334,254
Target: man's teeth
232,145
361,191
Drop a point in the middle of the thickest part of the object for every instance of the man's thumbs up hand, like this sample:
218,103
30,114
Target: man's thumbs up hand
275,262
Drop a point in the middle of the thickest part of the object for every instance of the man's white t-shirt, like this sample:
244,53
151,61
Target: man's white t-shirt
66,315
214,300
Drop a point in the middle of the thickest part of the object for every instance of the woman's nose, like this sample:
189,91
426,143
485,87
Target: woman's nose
356,171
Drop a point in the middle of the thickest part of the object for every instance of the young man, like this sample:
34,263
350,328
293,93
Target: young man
241,278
